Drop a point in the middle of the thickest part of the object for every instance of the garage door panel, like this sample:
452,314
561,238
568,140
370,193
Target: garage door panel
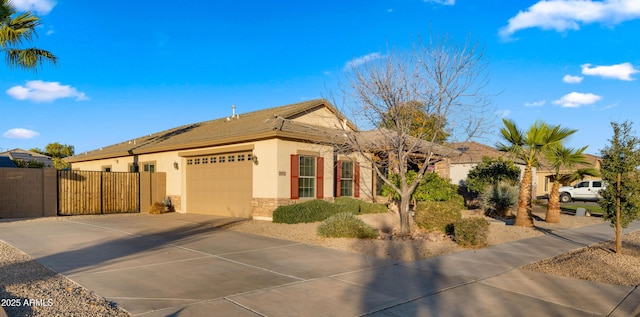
221,186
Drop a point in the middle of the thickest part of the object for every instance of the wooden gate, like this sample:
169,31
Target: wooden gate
87,192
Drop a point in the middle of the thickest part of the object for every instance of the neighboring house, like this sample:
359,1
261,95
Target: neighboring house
20,154
244,165
545,174
6,162
470,155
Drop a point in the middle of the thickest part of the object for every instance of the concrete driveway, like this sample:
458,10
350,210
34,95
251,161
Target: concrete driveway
159,265
189,265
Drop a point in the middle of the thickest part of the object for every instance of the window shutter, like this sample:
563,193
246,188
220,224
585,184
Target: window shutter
320,177
338,177
356,179
295,172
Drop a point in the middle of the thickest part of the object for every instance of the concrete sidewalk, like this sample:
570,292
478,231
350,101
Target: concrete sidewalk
188,265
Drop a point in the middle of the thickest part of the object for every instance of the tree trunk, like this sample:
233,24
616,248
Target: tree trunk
524,218
618,224
405,228
553,208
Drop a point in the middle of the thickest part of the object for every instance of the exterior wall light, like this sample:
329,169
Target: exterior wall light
175,165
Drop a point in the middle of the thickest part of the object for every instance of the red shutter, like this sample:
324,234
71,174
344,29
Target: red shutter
356,179
338,178
320,177
295,172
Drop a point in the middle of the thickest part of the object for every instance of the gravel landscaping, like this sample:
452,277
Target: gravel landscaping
30,289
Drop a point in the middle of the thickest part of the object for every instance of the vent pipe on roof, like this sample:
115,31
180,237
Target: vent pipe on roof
233,111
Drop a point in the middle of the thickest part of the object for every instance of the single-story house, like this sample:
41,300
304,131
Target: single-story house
545,174
469,155
26,156
245,165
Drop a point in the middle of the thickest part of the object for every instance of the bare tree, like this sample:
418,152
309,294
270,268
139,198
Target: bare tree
442,79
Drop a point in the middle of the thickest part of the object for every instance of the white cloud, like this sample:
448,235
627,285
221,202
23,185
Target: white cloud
503,113
620,71
569,79
535,103
42,91
19,133
41,7
562,15
577,99
362,60
442,2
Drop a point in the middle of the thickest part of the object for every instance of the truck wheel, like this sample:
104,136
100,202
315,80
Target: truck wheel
565,198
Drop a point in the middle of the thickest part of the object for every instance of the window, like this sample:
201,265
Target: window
249,157
240,157
106,168
205,160
221,159
190,162
232,158
306,184
597,184
213,159
346,178
149,167
196,161
583,184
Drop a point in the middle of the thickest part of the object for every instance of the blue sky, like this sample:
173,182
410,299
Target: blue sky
131,68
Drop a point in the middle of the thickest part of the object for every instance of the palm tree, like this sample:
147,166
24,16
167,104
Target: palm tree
16,29
527,147
559,157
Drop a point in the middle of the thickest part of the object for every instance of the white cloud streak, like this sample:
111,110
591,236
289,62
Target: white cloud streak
620,71
19,133
577,99
356,62
42,91
569,79
535,103
563,15
442,2
41,7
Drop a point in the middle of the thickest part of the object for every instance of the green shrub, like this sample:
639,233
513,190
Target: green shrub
357,206
496,200
308,211
431,188
438,215
346,225
471,232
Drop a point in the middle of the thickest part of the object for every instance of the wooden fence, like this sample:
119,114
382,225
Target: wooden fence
87,192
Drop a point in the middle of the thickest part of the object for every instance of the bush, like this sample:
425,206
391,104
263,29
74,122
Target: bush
160,208
471,232
431,188
346,225
308,211
319,210
357,206
438,215
496,200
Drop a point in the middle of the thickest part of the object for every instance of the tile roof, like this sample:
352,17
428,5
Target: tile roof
255,125
473,152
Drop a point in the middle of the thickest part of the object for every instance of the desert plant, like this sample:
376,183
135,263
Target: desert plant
471,232
346,225
160,208
498,199
438,215
308,211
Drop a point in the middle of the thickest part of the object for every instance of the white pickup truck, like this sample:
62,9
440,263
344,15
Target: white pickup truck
585,190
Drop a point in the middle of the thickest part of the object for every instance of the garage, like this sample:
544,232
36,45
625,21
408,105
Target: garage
220,184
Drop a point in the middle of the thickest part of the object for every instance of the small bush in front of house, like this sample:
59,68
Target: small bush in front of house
159,208
346,225
498,199
308,211
471,232
357,206
438,215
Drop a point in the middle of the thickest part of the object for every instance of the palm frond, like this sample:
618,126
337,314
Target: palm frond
29,58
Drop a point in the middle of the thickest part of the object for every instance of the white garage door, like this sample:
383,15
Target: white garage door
220,184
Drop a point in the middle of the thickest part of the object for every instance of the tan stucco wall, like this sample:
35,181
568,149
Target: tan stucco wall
320,117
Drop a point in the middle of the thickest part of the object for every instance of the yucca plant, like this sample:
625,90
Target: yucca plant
498,200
